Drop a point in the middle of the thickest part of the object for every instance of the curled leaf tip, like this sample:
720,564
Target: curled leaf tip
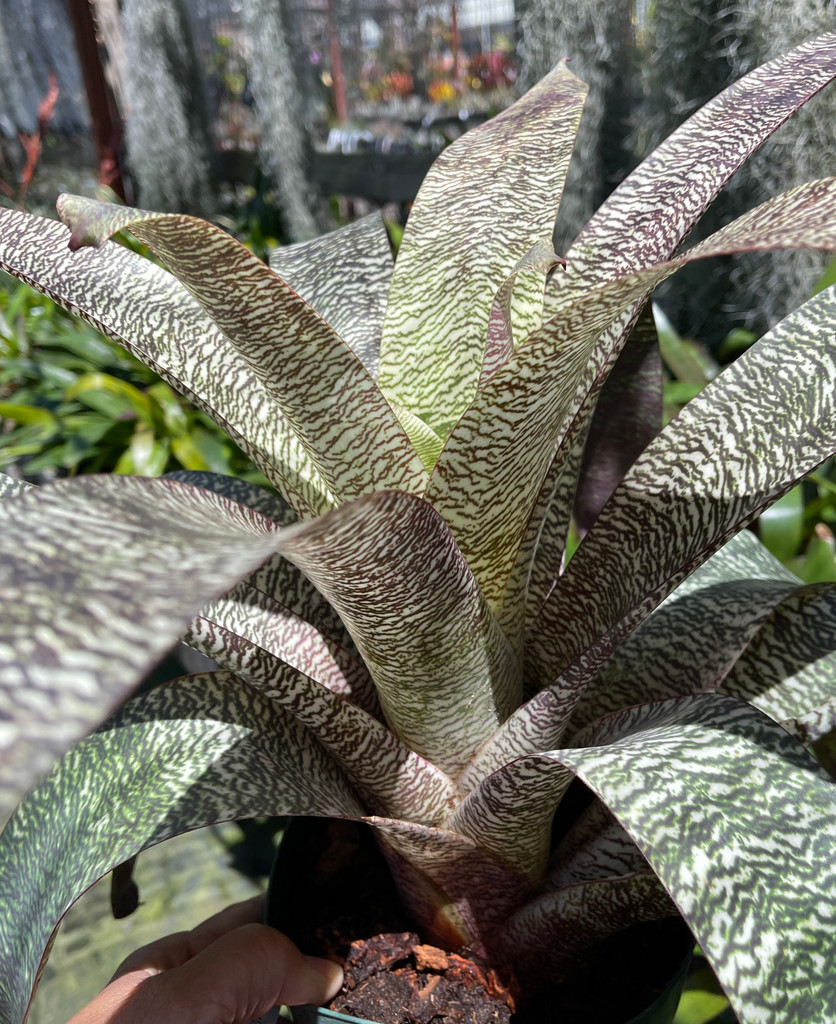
74,211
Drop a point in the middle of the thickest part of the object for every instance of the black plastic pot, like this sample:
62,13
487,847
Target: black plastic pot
283,886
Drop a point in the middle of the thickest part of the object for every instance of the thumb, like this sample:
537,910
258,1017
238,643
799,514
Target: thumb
236,979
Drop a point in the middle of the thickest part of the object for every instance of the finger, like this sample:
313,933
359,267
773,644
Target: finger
251,969
174,950
236,979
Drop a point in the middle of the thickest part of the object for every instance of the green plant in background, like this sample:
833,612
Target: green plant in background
396,639
74,402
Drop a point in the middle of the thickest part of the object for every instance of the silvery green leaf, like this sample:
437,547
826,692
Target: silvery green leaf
521,416
341,418
649,215
788,669
10,486
747,854
595,847
203,749
345,276
517,309
445,673
695,636
151,314
696,484
99,576
453,259
646,218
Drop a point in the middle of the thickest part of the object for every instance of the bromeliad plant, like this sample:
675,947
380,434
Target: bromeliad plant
398,639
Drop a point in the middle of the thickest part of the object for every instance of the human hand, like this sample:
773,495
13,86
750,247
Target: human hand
228,970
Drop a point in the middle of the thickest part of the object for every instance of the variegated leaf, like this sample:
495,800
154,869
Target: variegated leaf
345,276
346,426
509,813
738,822
392,779
99,575
276,612
697,483
457,889
543,549
445,674
10,487
246,622
485,202
695,636
788,670
241,492
646,218
148,311
595,847
627,416
566,924
509,435
203,749
517,310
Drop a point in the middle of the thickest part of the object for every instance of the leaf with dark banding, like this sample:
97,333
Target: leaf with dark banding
595,847
560,927
148,311
627,416
738,822
517,309
203,749
277,608
346,426
788,669
484,203
646,218
392,779
735,818
696,484
345,276
10,487
508,436
99,576
445,674
695,636
649,215
459,890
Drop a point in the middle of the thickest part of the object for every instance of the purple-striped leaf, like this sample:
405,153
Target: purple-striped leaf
568,923
695,636
445,673
99,576
151,314
628,415
702,479
508,436
485,202
345,276
345,425
200,750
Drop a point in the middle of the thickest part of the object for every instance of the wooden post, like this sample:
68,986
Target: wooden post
107,131
337,76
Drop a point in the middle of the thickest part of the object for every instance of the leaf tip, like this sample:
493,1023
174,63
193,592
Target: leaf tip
71,211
